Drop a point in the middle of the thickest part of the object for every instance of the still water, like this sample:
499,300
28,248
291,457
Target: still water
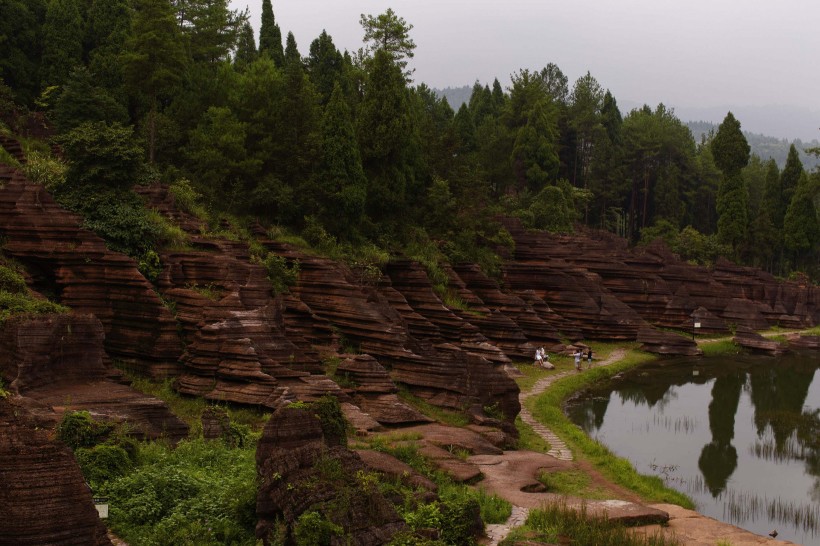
740,435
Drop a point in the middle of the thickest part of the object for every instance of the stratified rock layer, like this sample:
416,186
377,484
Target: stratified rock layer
43,498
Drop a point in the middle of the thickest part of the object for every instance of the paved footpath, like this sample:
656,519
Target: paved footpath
558,448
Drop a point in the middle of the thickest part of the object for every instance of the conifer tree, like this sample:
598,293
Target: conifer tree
153,60
325,66
789,179
245,46
63,35
731,152
801,229
389,33
270,37
292,56
20,26
340,174
109,24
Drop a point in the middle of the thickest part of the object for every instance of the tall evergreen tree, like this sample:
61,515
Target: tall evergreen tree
20,26
63,36
340,174
292,56
325,66
801,228
731,152
245,47
390,33
789,179
585,119
213,30
270,37
109,24
153,60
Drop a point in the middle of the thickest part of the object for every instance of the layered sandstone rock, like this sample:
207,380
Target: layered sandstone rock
72,266
56,362
748,339
299,472
667,343
44,498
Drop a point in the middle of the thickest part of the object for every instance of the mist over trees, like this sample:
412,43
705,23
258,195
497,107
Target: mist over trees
344,147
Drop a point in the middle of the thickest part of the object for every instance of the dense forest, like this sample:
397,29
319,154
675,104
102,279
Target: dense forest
348,151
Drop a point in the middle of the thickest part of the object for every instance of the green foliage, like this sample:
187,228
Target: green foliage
78,430
187,198
281,274
389,33
198,493
729,147
20,304
101,155
334,425
102,463
313,529
12,281
3,392
83,102
558,520
45,169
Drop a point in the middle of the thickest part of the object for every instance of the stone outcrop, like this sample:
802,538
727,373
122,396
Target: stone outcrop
804,342
748,339
73,266
300,473
667,343
44,498
56,363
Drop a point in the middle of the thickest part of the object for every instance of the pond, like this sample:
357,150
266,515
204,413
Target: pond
740,435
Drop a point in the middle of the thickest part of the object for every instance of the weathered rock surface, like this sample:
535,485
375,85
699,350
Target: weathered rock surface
753,341
804,342
73,266
667,343
299,473
56,362
43,498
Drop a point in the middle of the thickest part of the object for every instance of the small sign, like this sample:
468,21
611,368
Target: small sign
101,504
697,325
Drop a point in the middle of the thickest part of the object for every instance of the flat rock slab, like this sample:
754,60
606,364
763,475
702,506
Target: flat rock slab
454,437
510,473
391,466
628,513
695,529
458,469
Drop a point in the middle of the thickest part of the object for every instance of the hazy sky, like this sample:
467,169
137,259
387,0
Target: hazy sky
687,54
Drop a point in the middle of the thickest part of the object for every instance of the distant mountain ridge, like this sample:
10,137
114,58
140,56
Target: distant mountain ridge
778,120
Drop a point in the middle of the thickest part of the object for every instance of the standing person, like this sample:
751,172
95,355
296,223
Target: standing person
577,356
589,358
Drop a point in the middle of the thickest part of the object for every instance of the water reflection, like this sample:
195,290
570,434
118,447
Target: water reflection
718,459
757,465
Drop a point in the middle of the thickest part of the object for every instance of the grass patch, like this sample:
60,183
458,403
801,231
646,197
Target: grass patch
448,417
559,524
547,408
494,509
190,408
573,483
719,348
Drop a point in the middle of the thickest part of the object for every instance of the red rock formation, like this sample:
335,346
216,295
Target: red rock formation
74,267
44,498
56,362
748,339
299,473
667,343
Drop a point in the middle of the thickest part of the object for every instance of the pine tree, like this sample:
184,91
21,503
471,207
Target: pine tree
801,229
731,153
20,26
270,37
389,33
340,174
153,60
63,35
789,179
325,66
109,25
292,56
245,47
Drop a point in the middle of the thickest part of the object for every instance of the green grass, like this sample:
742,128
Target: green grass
559,524
190,408
547,408
719,348
573,483
448,417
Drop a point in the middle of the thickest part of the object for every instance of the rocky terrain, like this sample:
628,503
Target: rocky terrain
213,324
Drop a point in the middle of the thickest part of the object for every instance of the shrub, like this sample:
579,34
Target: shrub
312,529
280,274
78,430
11,281
334,425
102,154
102,463
46,170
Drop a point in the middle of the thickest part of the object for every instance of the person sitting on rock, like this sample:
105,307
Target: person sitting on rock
539,357
546,364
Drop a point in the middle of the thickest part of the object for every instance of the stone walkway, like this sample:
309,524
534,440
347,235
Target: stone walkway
558,448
